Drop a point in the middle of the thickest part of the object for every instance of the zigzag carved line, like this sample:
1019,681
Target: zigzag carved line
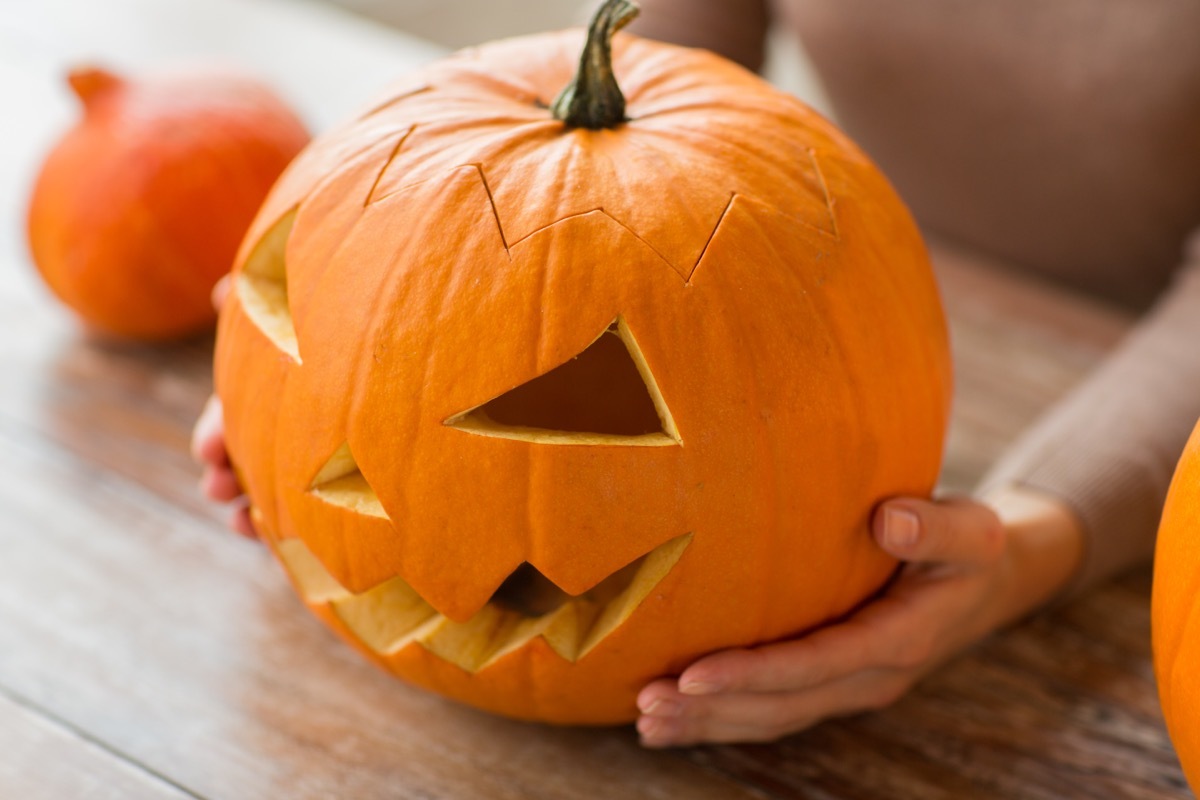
685,275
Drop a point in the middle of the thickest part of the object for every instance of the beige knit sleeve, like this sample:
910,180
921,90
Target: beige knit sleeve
1109,448
736,29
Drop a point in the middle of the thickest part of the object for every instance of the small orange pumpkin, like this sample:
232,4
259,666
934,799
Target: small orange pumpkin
539,401
1175,610
139,209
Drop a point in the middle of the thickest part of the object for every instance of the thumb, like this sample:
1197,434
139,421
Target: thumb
955,530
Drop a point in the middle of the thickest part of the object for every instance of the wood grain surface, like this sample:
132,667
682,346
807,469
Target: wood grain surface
145,652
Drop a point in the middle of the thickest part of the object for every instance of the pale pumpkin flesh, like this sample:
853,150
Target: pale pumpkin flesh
392,616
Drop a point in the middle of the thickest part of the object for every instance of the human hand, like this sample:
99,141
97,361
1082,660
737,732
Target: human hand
218,481
967,573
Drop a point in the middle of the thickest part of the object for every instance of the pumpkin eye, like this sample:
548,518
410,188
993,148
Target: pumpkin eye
263,290
341,483
605,395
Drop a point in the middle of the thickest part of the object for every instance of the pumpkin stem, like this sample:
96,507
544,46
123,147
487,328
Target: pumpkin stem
593,100
90,82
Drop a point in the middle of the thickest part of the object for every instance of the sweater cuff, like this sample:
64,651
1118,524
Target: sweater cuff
1109,449
1116,499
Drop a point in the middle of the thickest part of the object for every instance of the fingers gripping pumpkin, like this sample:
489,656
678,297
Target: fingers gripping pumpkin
536,404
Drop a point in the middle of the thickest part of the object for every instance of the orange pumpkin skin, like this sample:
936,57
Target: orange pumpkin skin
138,210
456,242
1175,610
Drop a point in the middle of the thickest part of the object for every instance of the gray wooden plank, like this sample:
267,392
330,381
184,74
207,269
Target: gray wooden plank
42,760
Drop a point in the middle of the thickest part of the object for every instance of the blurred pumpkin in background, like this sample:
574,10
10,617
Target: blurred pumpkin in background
1175,610
537,399
138,210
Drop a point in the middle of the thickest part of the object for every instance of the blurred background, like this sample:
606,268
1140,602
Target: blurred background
459,23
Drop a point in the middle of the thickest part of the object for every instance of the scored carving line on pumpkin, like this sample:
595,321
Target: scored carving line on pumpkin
393,101
393,616
688,280
391,157
684,274
492,202
812,156
600,210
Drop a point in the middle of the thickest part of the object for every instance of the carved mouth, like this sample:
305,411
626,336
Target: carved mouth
391,616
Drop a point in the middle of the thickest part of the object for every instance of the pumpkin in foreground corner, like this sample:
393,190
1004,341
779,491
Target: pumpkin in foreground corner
539,400
1175,610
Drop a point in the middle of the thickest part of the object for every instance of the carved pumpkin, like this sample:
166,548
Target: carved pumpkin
139,209
1176,610
534,410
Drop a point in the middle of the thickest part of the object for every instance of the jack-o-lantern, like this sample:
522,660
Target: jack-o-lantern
537,401
1175,610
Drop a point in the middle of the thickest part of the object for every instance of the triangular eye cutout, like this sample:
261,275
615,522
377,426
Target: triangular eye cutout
262,287
341,483
605,395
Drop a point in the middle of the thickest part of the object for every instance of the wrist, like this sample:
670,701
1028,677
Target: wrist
1045,549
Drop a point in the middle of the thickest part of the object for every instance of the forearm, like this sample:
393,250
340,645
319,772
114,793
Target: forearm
735,29
1108,450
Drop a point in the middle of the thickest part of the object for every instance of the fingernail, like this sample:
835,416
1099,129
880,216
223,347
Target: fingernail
663,708
901,528
698,687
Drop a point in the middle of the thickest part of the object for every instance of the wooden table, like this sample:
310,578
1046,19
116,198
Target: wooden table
144,652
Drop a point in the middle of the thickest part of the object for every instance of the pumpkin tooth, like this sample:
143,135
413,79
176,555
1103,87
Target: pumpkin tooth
471,644
309,575
385,617
562,629
654,567
392,615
